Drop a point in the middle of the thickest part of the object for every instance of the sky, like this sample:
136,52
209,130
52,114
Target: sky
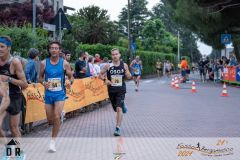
114,8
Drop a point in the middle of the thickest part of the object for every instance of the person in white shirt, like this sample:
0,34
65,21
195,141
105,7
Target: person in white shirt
91,67
96,67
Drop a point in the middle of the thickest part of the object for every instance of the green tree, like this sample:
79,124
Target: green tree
209,20
189,47
156,38
138,15
92,25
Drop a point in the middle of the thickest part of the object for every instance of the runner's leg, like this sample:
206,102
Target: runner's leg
49,113
2,116
119,116
138,80
158,73
57,110
14,125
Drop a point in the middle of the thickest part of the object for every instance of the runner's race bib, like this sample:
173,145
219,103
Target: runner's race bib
55,84
116,80
136,71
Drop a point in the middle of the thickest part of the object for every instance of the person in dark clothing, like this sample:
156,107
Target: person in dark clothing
80,66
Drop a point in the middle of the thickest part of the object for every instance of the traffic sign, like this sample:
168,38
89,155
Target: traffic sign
49,27
226,39
133,47
63,22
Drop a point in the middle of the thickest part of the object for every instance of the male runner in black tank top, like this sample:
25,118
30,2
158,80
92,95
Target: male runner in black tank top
116,72
13,77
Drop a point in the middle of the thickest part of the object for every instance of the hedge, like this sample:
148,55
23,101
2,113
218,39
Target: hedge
24,39
148,58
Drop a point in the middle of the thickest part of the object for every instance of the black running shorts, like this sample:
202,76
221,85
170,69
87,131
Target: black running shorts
16,102
117,99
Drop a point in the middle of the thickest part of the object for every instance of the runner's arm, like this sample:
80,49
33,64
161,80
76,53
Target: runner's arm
127,72
21,81
41,75
141,65
131,65
103,72
5,99
68,70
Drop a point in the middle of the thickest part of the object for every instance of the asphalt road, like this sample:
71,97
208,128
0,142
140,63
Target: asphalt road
158,110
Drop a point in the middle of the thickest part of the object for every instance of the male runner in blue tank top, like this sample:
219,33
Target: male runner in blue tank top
116,71
52,76
136,67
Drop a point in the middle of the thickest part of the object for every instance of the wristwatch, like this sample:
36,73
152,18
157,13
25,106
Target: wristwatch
9,79
71,81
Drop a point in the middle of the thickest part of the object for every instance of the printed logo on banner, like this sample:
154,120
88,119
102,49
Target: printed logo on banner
219,149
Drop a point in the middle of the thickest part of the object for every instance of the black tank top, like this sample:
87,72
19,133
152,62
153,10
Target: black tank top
5,70
116,74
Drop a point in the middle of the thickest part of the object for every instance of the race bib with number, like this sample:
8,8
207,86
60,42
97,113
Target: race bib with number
117,80
137,71
55,84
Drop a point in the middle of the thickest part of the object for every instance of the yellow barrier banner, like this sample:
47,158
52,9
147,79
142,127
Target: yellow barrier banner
83,92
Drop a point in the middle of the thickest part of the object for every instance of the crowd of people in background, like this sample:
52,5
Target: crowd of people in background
212,69
209,69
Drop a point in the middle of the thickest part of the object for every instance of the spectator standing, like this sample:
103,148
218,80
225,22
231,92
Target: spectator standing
30,67
91,67
104,62
233,61
97,58
96,67
81,66
184,67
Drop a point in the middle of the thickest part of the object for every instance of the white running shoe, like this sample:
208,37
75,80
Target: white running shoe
52,146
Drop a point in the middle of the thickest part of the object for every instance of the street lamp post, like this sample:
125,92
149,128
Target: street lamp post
34,18
129,34
178,47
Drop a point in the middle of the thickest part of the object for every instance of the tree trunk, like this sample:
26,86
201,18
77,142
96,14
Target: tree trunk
236,51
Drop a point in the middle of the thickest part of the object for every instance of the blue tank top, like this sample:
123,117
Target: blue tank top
138,68
55,74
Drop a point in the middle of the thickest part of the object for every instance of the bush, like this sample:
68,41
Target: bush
148,58
24,39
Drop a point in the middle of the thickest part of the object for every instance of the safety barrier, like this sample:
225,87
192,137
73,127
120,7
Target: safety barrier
83,92
231,74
